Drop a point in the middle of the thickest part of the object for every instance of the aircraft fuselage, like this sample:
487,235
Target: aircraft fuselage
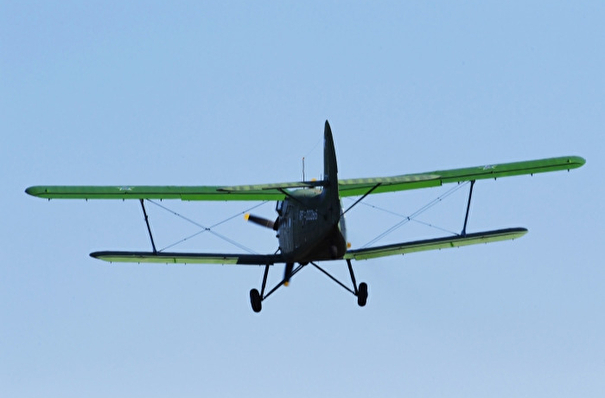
311,226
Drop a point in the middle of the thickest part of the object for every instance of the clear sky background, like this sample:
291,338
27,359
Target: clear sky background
188,93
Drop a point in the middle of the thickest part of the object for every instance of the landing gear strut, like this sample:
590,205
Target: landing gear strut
362,291
256,297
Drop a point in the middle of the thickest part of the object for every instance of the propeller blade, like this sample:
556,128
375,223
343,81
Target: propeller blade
288,273
262,221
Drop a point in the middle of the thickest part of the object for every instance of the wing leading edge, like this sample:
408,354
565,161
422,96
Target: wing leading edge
436,244
349,187
187,258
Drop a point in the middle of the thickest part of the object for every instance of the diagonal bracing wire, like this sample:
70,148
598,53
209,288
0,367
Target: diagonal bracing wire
203,228
404,216
412,216
426,224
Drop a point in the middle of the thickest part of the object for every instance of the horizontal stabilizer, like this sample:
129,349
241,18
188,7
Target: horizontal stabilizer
187,258
436,244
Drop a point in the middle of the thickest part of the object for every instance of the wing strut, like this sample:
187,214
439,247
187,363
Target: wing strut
362,198
148,226
468,207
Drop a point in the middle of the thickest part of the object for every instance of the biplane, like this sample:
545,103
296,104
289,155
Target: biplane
310,223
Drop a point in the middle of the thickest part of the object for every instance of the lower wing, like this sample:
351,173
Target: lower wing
436,244
187,258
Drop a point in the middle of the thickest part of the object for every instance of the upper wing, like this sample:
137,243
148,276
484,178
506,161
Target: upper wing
187,258
356,187
152,192
435,244
350,187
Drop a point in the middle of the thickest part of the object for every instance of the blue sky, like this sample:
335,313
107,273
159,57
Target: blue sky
237,93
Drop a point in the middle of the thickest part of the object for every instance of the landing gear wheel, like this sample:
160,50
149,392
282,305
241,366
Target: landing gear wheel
255,300
362,294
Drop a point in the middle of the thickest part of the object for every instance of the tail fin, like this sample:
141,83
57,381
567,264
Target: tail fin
330,171
330,167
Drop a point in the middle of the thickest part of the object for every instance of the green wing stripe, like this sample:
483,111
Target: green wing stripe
356,187
186,258
351,187
150,192
436,244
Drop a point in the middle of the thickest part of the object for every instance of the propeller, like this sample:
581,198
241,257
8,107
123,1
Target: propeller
263,221
288,273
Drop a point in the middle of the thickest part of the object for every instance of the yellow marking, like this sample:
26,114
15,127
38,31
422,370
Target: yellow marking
286,283
348,245
246,216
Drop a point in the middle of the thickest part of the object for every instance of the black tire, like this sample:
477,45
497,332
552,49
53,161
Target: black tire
255,300
362,294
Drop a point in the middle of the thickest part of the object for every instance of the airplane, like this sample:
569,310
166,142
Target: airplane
310,223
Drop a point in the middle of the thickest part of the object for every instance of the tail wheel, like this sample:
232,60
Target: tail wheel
362,294
255,300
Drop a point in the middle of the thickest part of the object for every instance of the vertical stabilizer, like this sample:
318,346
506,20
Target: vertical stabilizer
330,167
330,170
333,215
